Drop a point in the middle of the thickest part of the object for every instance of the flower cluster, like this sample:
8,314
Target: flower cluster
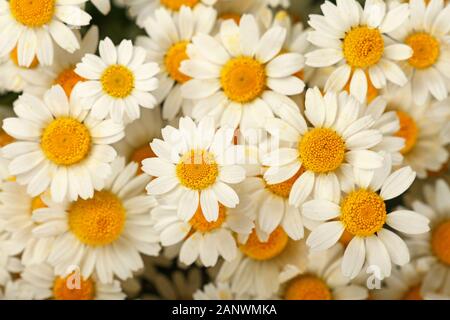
259,154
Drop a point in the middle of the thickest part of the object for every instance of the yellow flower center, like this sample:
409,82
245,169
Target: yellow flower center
413,294
175,5
37,203
199,223
307,287
66,289
363,47
117,81
321,150
175,55
231,16
243,79
97,221
258,250
66,141
142,153
283,189
67,79
440,242
363,212
408,131
32,13
197,170
15,59
426,50
5,138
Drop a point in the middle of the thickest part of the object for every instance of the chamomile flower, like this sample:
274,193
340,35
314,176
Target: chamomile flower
322,279
104,233
259,266
358,41
143,9
16,210
32,26
202,239
44,283
167,44
427,33
362,212
118,82
431,250
196,163
241,78
62,71
339,140
59,146
423,129
14,75
135,146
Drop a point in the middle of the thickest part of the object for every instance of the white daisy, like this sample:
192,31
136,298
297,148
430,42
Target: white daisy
59,146
423,129
339,141
259,266
13,75
201,239
427,32
117,82
362,212
32,26
432,249
359,41
143,9
196,163
169,38
322,279
240,78
16,208
135,146
44,283
61,72
105,233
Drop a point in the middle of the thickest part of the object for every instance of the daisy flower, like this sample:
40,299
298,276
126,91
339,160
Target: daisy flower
241,78
105,233
197,163
62,71
339,141
432,249
423,129
16,210
362,212
427,33
359,41
167,44
32,26
143,9
259,266
322,279
200,238
135,145
13,75
44,283
118,82
59,146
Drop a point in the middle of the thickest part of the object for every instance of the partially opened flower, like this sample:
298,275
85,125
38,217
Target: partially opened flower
106,233
32,26
196,163
44,283
118,82
167,44
358,41
363,213
321,157
241,78
59,146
